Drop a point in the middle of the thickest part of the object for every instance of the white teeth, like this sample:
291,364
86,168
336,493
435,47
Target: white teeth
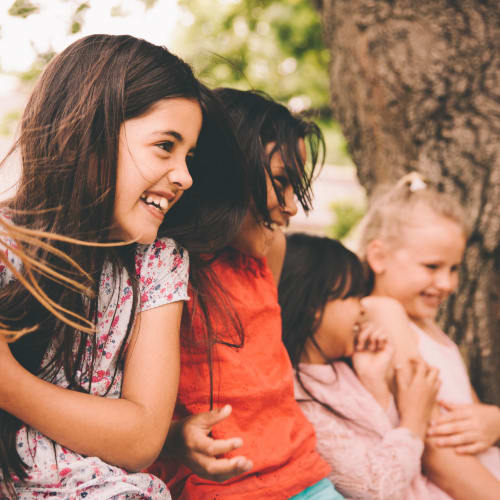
158,201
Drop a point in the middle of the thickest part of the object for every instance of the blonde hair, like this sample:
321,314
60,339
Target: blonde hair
393,207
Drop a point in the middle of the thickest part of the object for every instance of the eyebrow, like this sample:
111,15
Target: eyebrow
170,132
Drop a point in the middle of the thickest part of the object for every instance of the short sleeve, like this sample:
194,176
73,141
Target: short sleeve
163,272
6,275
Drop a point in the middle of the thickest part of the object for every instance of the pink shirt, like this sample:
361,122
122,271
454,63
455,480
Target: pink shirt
455,383
371,457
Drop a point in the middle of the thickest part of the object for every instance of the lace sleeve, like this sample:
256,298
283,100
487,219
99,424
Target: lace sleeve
366,466
163,270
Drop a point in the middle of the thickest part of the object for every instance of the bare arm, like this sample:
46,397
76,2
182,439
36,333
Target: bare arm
389,315
128,432
276,254
462,476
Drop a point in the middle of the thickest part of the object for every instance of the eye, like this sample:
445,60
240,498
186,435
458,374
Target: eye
166,146
281,180
455,268
432,267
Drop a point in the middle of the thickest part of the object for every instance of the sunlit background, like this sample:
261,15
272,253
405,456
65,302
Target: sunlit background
273,46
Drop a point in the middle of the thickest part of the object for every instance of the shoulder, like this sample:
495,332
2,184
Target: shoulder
163,253
163,272
7,250
384,304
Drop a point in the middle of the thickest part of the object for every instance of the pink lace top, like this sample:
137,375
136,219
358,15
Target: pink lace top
371,457
455,384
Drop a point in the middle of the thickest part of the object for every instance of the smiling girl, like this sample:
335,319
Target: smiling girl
106,139
413,240
236,390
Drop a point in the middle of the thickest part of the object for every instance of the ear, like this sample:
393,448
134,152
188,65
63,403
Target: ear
376,254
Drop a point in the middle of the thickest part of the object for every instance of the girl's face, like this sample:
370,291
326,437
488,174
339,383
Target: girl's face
337,331
421,268
152,171
254,238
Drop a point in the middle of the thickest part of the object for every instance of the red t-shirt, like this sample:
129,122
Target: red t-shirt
257,381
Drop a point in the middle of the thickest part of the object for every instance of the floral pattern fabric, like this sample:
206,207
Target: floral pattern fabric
53,470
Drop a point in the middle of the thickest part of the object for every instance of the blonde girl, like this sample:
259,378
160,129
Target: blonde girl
413,240
115,132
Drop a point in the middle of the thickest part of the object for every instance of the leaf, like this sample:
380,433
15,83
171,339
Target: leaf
23,8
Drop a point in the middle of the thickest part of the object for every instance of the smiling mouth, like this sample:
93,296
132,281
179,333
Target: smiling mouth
159,202
433,300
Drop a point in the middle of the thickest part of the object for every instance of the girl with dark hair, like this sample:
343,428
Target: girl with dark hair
106,141
343,373
246,374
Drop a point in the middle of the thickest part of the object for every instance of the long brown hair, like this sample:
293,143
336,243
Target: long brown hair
69,147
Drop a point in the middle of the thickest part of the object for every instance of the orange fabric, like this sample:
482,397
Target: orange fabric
257,381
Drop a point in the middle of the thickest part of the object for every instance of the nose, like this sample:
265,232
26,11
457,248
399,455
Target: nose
290,207
179,175
446,281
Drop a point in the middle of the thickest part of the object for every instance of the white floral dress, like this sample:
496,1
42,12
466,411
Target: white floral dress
59,473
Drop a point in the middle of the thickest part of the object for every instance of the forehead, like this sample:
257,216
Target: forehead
428,235
277,161
174,114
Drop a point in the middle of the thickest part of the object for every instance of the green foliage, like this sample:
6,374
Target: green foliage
31,74
149,3
23,8
347,215
9,121
77,19
274,46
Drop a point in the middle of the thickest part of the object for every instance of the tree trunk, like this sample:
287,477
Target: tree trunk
415,85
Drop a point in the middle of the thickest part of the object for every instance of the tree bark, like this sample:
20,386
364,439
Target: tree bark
415,85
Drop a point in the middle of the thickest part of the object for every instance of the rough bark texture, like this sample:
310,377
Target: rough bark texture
416,85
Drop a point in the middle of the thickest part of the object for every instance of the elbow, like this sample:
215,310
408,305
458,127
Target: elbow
142,447
140,456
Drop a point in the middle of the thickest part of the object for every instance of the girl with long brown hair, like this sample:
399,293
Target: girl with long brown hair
115,133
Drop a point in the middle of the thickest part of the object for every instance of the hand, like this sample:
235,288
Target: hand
372,362
470,428
200,452
373,354
417,385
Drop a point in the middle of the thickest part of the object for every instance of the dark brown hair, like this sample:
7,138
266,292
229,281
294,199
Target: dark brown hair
69,148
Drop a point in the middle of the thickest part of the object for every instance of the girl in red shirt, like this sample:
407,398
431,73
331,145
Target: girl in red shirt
243,368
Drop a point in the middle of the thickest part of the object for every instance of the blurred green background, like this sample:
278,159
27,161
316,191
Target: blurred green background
274,46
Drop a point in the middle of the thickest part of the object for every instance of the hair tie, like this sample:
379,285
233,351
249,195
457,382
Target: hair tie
414,181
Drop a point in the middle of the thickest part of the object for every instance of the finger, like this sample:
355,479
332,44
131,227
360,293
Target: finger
221,446
471,449
461,439
221,469
362,338
210,418
447,429
448,418
450,406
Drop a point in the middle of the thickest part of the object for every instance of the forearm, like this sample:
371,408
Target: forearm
119,431
461,476
378,388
